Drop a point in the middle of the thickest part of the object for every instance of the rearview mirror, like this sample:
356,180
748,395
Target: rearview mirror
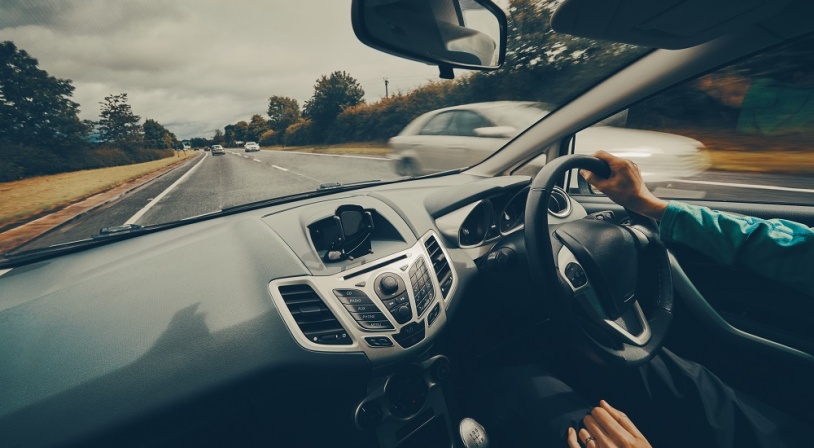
467,34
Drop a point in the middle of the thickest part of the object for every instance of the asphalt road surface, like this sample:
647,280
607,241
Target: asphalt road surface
209,183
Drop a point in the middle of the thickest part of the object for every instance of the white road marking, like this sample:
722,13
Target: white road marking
256,160
338,155
245,157
297,174
752,186
155,200
3,271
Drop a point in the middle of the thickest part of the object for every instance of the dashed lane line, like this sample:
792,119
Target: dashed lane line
297,174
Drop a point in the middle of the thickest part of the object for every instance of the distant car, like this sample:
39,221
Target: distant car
206,148
251,146
462,136
217,149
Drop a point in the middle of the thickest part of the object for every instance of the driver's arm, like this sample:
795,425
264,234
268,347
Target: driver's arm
777,249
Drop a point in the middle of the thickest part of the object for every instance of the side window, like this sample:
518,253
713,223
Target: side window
437,125
744,132
465,123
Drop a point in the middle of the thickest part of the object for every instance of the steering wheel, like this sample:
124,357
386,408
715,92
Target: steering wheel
612,282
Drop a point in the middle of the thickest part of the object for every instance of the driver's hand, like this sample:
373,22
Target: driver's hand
606,427
626,187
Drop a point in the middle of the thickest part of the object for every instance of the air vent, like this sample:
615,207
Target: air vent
439,264
314,318
559,204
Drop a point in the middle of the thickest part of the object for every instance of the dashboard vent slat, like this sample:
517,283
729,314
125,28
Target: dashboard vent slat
315,319
440,265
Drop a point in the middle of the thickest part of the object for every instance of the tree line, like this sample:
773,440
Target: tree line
40,129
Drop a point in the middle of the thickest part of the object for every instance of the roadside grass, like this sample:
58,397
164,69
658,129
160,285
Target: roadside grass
26,199
362,148
733,151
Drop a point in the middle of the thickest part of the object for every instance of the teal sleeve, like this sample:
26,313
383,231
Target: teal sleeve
778,249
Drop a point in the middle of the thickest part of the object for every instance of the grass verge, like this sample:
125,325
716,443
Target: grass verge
28,198
364,148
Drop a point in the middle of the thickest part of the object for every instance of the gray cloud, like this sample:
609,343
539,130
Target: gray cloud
197,65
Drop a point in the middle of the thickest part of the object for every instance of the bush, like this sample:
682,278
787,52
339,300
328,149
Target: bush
268,138
300,133
19,162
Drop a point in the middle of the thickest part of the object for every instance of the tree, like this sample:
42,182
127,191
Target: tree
218,139
157,136
283,112
257,126
35,108
332,95
118,125
235,132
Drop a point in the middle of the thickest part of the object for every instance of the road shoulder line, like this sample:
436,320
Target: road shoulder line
155,200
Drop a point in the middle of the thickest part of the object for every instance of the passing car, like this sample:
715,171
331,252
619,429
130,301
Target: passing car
464,135
251,147
217,150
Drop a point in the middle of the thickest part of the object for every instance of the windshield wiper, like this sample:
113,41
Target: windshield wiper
341,186
105,235
118,230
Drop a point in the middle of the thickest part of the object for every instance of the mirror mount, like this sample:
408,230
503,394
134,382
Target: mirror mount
468,34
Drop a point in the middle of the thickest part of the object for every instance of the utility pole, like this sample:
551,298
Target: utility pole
386,82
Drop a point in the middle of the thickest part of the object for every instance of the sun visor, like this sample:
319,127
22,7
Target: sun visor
669,24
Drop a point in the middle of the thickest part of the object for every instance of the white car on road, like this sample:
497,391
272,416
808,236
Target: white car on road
251,146
462,136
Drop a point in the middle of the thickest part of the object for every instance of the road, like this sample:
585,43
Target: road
209,183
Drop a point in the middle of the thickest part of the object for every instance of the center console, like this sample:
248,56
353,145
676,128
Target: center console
375,288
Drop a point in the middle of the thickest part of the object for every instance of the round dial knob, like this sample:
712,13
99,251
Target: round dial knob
389,284
404,313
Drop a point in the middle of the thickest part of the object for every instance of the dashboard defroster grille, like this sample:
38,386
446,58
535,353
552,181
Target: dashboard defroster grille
440,265
314,318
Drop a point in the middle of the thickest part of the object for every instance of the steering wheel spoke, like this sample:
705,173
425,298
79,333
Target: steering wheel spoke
609,273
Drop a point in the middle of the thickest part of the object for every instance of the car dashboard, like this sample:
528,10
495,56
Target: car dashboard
242,329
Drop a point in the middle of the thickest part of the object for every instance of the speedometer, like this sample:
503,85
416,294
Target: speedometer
513,214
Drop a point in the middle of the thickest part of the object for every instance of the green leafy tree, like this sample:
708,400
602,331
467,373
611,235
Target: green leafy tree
157,136
235,132
257,126
283,112
332,94
35,108
218,139
118,124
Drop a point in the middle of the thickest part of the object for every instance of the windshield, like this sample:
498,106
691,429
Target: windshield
119,115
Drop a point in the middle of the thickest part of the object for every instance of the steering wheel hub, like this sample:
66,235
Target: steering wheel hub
612,281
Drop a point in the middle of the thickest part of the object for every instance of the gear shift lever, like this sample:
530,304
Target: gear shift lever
472,434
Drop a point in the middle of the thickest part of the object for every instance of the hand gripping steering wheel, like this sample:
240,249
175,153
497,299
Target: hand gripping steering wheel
612,283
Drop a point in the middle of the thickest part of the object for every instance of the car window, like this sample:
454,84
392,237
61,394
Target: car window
465,122
438,125
744,132
112,97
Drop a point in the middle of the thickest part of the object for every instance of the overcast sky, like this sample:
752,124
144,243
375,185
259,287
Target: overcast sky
197,65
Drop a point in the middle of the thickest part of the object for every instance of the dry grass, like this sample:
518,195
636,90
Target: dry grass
27,198
788,162
371,149
734,151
